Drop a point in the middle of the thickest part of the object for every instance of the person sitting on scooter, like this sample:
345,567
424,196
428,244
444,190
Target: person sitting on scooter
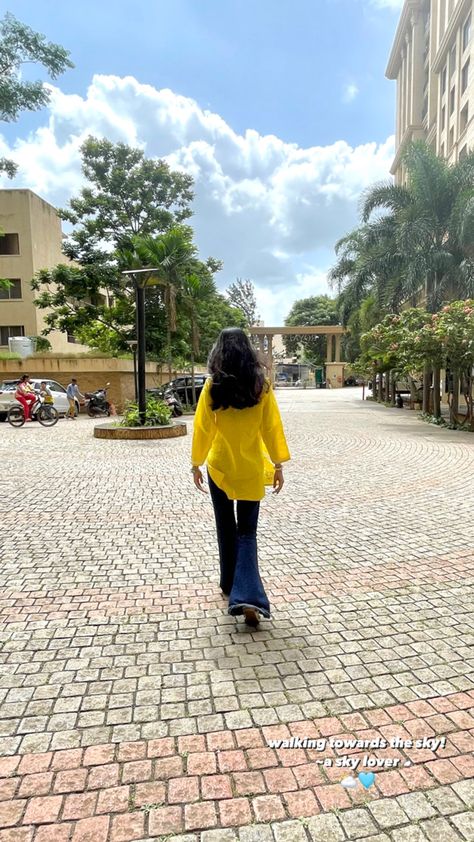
25,395
72,392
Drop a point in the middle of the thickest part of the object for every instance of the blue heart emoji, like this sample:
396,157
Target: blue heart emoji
366,778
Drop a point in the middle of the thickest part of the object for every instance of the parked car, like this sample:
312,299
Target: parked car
181,387
8,389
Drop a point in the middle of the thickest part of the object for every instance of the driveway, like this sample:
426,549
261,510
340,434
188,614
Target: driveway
132,707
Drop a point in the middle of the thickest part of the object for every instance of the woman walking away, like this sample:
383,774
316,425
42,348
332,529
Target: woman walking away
237,423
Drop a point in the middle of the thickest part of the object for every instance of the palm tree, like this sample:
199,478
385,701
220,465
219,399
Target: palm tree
170,253
197,287
432,229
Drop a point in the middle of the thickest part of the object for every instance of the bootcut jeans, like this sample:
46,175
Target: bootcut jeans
237,541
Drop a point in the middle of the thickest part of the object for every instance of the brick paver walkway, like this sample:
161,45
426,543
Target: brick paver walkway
133,708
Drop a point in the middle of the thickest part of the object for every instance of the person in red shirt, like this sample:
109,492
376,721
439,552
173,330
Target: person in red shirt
25,395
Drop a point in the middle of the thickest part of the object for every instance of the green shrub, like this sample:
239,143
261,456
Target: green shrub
9,355
157,414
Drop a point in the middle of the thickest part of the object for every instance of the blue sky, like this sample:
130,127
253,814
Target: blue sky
308,72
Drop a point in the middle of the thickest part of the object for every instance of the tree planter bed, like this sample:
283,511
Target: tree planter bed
168,431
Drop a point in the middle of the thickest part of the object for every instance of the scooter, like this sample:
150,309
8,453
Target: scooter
97,403
174,403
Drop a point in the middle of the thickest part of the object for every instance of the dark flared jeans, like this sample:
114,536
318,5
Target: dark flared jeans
237,541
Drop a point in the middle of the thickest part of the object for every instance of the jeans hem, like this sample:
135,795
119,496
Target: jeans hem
238,608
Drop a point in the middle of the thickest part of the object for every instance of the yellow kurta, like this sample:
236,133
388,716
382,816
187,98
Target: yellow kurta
235,443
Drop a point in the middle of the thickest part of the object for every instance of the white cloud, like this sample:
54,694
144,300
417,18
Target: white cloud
271,210
350,92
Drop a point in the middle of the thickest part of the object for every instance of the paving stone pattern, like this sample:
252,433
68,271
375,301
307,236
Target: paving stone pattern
132,707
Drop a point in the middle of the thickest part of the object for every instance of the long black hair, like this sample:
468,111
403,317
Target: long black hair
237,375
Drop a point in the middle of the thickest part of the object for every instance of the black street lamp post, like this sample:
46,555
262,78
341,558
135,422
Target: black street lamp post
132,344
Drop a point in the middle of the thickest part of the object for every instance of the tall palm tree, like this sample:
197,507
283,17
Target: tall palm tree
196,287
170,253
431,220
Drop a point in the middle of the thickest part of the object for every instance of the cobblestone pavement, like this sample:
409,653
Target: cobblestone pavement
133,708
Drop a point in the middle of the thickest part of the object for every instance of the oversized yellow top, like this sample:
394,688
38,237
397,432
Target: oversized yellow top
236,442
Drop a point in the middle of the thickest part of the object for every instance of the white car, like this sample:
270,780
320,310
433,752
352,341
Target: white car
8,389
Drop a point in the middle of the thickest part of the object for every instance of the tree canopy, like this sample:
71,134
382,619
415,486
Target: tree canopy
19,45
241,294
126,195
315,310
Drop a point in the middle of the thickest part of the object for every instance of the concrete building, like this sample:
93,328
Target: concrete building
31,241
433,65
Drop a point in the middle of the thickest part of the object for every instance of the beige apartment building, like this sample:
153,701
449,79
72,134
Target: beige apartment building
31,241
432,63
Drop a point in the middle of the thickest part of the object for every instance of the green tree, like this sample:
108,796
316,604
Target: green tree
20,45
433,230
415,244
214,314
361,320
196,288
241,294
453,328
89,295
316,310
126,195
171,253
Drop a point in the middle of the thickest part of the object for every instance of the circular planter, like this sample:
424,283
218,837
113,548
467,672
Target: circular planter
168,431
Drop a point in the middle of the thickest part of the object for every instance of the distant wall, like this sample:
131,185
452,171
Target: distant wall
91,373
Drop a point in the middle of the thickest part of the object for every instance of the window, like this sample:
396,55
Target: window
464,118
71,338
56,387
451,139
463,153
14,290
465,77
9,244
452,100
443,117
444,79
441,151
452,61
7,333
466,33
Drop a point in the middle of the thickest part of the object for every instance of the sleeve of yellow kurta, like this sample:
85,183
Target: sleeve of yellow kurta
272,429
204,427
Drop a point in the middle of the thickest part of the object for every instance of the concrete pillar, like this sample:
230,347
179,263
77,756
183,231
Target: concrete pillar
407,79
270,356
337,356
329,348
403,95
335,375
399,108
417,70
409,61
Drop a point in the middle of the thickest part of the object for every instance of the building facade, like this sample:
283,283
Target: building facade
432,62
31,240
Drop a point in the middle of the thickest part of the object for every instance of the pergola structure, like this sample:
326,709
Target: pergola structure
333,333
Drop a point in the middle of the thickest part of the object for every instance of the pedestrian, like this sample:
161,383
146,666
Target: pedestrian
25,395
237,426
73,393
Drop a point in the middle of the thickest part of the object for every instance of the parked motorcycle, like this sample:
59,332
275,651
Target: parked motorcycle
173,402
97,403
